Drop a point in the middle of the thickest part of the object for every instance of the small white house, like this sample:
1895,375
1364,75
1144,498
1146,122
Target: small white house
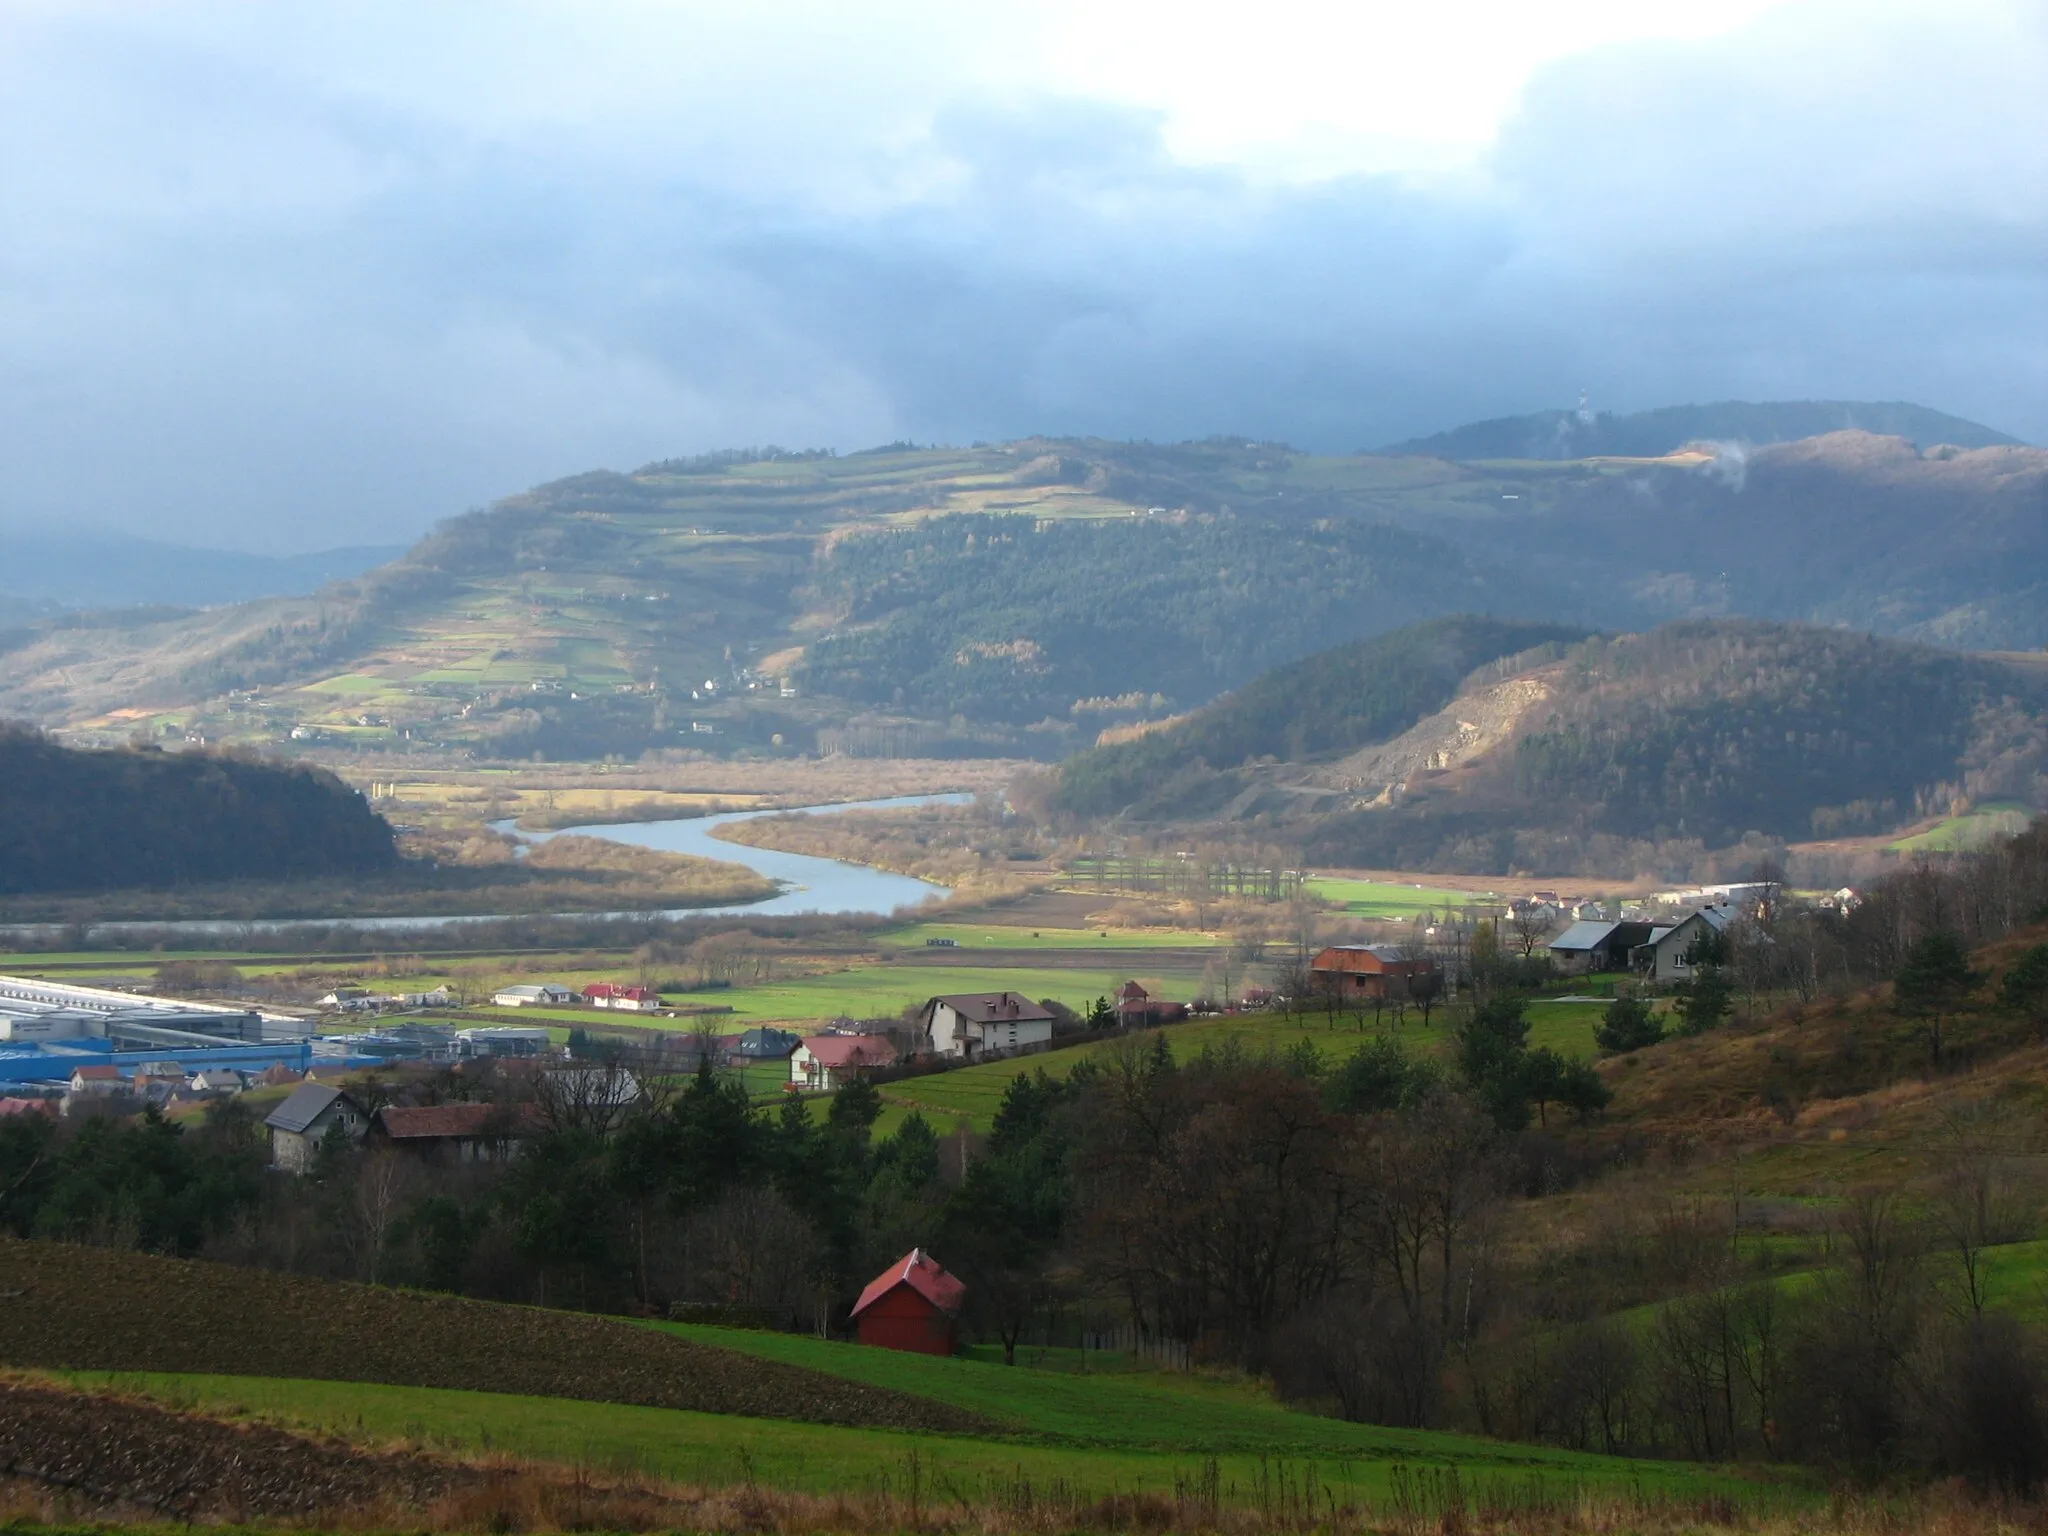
971,1024
829,1062
546,994
215,1080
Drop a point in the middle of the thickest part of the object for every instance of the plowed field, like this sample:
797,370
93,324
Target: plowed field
114,1454
71,1308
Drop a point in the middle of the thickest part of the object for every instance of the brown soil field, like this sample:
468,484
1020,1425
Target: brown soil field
111,1454
77,1308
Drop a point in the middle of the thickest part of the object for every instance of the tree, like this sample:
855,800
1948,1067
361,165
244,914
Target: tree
2025,986
1529,924
1492,1056
1703,1001
1629,1024
1582,1090
1934,982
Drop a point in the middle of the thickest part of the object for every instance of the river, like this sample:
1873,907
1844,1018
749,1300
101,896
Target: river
809,884
826,886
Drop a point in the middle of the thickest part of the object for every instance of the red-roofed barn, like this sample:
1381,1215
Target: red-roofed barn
913,1304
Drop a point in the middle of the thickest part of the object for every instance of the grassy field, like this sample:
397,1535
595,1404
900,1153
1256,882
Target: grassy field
1994,818
1381,899
1181,1435
995,936
972,1094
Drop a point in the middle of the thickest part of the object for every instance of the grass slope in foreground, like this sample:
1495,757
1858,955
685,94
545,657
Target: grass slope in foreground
1079,1448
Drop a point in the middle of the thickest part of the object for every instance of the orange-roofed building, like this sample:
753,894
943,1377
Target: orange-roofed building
913,1304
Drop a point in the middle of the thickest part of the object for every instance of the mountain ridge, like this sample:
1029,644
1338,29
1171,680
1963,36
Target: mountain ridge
1559,434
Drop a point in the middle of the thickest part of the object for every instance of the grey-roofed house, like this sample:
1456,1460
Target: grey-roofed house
761,1044
301,1123
1585,947
1662,956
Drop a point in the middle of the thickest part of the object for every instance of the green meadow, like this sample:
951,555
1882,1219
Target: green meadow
1091,1435
1383,899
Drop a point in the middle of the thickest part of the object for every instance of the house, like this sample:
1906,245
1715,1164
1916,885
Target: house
913,1304
971,1024
215,1080
301,1123
1372,971
342,997
759,1046
1597,946
98,1082
460,1133
15,1106
830,1062
276,1075
1136,1008
546,994
605,994
1662,956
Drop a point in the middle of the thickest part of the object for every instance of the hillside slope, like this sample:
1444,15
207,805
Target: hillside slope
1020,598
1626,751
1652,434
1337,699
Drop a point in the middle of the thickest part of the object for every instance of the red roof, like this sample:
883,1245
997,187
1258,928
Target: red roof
1131,992
98,1074
839,1051
435,1121
923,1274
27,1107
638,994
600,989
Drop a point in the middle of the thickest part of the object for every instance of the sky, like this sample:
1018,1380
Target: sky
286,276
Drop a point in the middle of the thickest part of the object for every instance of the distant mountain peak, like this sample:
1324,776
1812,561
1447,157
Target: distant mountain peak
1581,434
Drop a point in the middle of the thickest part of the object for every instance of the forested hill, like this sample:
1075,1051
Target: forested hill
1653,434
1634,751
101,820
1333,701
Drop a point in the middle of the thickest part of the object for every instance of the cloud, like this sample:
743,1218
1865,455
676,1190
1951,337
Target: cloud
287,277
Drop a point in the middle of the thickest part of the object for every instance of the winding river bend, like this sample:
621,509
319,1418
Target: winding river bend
808,884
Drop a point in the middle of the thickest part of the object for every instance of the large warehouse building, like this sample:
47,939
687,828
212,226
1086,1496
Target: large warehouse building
47,1029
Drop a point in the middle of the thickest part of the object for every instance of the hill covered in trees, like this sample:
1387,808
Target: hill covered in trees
1653,434
1021,598
1626,751
102,820
1336,700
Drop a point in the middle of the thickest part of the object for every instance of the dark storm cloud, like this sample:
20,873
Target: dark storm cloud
245,312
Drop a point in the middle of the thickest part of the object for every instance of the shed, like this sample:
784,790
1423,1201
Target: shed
1372,970
1587,947
301,1123
914,1305
463,1133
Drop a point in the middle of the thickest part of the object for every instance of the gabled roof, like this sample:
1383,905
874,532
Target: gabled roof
435,1122
762,1041
1584,935
923,1274
839,1051
1364,959
97,1074
993,1007
309,1101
